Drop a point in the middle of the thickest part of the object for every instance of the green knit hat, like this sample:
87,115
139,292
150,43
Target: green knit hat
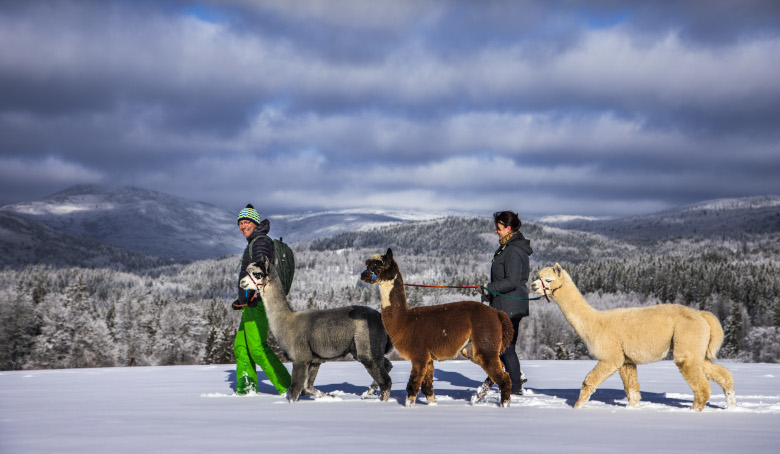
250,214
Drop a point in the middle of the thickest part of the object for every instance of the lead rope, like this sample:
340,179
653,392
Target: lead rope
480,287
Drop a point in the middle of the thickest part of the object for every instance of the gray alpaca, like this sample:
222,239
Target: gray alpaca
312,337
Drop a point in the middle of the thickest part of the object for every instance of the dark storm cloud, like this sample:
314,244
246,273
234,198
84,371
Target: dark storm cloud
598,107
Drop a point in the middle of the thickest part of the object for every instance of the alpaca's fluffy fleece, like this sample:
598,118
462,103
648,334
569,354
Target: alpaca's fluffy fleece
622,338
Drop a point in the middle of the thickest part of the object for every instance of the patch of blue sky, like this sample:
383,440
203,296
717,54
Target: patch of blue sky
207,13
605,19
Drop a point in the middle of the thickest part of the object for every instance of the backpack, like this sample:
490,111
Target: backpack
285,261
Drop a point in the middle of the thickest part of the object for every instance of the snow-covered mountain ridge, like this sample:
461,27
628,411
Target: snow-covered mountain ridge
722,218
137,220
160,225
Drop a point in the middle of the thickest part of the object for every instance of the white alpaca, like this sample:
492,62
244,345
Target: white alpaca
622,338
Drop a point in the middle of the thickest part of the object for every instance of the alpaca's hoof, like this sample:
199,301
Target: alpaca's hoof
481,392
698,406
385,395
370,391
505,403
731,399
633,398
316,393
580,404
409,402
431,400
293,396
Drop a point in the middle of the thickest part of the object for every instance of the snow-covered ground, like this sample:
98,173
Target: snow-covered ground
193,409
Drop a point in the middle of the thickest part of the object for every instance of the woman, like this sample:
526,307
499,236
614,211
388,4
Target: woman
508,289
251,345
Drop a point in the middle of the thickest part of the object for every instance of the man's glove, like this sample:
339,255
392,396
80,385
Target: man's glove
237,306
483,289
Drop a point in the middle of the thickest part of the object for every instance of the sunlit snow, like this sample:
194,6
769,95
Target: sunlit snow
193,409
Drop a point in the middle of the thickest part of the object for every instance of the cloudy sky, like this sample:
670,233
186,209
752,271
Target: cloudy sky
544,107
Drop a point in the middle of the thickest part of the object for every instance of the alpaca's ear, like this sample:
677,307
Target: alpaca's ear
389,255
264,263
558,270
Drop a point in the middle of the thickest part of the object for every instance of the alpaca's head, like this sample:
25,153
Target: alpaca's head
380,268
550,279
258,274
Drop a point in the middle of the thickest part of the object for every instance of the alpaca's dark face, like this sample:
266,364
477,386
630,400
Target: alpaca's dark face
379,268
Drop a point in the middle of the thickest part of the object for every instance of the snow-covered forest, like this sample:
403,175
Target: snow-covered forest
180,314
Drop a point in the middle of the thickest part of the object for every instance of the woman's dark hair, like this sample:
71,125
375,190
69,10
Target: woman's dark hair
507,218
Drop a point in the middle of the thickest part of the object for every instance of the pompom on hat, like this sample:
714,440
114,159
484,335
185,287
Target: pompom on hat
250,214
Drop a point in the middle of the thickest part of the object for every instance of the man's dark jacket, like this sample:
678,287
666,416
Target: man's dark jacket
261,247
509,276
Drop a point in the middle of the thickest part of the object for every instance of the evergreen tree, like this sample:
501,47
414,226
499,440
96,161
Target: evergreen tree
734,331
91,342
221,335
52,348
19,326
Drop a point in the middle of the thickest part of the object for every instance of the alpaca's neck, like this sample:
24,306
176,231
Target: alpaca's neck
392,294
274,300
577,311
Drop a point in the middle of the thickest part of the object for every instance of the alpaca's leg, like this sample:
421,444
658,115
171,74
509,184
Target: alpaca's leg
724,378
630,383
371,390
415,380
495,370
427,383
482,390
309,389
602,371
468,352
384,395
300,369
377,368
693,372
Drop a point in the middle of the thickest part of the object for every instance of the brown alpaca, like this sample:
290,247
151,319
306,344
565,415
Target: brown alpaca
424,334
622,338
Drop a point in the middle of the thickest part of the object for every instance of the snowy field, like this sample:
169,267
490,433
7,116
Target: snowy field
193,409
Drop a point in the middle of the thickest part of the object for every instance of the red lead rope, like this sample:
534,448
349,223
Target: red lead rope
443,286
480,287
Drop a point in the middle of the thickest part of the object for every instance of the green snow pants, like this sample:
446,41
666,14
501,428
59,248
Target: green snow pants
251,348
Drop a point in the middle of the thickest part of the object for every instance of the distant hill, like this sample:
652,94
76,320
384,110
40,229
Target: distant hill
455,236
25,242
312,226
716,219
155,224
137,220
91,225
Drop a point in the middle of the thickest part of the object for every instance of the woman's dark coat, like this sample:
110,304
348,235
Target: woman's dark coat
509,276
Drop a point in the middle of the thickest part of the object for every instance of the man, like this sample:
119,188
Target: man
251,344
